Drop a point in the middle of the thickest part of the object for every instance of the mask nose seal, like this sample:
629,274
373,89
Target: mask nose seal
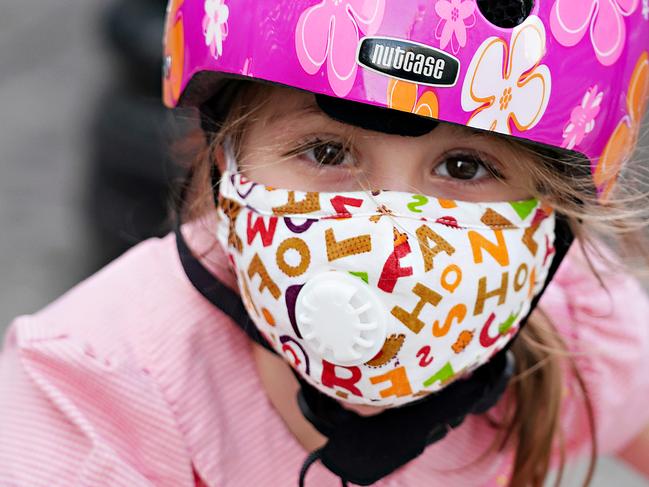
341,319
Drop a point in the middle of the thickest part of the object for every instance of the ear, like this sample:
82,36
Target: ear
219,158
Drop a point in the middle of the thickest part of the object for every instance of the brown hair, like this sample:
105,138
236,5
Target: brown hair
530,426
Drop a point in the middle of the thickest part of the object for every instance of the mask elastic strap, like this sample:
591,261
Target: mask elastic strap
231,165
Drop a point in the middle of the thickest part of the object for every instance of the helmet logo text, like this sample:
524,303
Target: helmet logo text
409,61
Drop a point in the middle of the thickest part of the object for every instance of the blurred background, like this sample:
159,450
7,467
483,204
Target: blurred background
84,157
84,165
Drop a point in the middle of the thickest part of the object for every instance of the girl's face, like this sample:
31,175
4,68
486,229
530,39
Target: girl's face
291,144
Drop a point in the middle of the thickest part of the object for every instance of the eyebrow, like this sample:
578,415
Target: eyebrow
489,136
309,108
305,109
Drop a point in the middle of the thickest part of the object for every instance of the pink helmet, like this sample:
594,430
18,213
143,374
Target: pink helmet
570,74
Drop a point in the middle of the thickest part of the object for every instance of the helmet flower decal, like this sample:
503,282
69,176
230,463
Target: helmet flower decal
456,16
570,19
402,95
215,25
506,83
582,118
622,142
330,31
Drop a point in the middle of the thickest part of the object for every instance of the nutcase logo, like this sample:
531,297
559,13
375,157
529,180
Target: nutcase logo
409,61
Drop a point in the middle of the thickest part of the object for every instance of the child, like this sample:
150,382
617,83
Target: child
365,245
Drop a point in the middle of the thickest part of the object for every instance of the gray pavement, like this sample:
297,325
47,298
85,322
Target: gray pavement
52,66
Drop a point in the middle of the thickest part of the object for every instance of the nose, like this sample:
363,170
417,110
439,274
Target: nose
398,163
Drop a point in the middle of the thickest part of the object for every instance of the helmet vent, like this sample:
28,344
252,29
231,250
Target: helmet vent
506,13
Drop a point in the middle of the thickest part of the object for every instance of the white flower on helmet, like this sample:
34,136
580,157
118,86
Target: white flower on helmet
215,25
506,82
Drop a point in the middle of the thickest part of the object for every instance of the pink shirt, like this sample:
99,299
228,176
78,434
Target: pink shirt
133,379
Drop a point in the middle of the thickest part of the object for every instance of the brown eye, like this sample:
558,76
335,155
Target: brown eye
328,154
464,167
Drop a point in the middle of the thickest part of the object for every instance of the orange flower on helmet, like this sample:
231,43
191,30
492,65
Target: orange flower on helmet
621,144
402,95
174,53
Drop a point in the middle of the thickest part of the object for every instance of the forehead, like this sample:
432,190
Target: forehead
286,103
287,108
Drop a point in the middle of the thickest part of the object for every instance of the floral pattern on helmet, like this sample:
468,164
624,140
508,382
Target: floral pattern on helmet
402,95
604,19
506,82
302,45
622,142
329,32
582,118
456,17
215,25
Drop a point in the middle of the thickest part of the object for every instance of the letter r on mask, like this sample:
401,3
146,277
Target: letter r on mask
330,379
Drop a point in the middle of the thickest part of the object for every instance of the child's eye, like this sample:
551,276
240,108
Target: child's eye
328,153
465,167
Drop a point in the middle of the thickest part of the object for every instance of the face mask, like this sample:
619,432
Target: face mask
380,298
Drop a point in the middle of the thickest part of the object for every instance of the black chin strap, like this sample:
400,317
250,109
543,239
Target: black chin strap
364,449
216,292
313,457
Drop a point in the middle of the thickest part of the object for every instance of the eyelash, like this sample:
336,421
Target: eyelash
479,157
315,143
471,155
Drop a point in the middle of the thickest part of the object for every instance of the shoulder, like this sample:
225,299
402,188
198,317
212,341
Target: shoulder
605,328
140,310
123,361
71,375
129,307
607,301
136,283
